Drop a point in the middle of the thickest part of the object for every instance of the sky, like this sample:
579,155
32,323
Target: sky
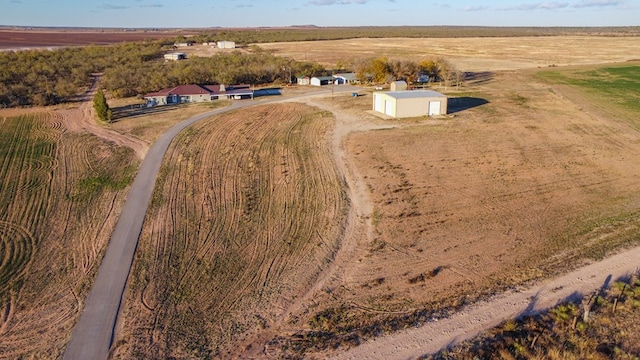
259,13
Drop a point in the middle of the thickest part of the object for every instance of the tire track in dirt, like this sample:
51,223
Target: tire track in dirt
239,223
83,119
438,334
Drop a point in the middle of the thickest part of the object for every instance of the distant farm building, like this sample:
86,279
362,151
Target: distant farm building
403,104
226,45
398,86
303,80
175,56
198,93
345,78
321,80
183,44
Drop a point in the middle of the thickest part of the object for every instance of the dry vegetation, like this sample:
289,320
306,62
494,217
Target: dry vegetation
247,211
521,188
61,193
470,53
527,179
149,123
605,325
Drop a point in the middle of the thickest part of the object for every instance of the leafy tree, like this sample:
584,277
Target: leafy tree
101,107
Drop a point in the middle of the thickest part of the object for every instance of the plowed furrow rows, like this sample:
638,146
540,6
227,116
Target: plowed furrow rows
53,236
249,196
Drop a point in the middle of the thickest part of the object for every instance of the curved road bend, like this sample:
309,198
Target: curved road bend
94,332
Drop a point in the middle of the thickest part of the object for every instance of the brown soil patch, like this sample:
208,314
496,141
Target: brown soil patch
470,54
20,39
246,214
55,224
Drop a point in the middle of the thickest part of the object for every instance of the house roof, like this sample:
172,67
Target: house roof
184,90
346,76
322,78
412,94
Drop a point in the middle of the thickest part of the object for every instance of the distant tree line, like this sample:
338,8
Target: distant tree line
43,77
312,33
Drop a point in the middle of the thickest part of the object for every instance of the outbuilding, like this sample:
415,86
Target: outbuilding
175,56
303,80
321,80
411,103
226,45
345,78
398,85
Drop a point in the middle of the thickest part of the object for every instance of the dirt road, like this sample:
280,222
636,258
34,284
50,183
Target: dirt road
438,334
82,119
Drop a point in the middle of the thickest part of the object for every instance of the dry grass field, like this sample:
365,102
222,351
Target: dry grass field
60,193
470,54
246,214
539,179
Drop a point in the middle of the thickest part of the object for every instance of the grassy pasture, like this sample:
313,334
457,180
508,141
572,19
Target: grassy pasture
617,85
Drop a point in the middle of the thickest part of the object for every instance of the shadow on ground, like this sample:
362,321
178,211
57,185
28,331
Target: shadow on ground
478,78
464,103
134,110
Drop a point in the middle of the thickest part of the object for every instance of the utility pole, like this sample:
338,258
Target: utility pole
332,83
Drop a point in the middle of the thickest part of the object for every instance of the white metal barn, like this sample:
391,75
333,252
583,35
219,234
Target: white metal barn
226,45
411,103
175,56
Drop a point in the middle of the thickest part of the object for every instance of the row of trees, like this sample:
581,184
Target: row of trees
382,70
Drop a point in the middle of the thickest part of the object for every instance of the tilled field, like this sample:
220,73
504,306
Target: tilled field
59,201
247,212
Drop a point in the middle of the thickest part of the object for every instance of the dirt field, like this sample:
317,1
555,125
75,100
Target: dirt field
23,39
61,193
470,54
533,182
245,216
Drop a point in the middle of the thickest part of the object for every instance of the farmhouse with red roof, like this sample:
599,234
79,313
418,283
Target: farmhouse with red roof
198,93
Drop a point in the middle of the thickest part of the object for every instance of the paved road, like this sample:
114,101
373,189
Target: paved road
94,332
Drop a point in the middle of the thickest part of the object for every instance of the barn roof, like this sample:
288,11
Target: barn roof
412,94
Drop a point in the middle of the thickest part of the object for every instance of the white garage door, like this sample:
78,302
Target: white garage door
388,107
434,108
379,105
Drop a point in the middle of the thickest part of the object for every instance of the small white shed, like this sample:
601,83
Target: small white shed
398,85
410,103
